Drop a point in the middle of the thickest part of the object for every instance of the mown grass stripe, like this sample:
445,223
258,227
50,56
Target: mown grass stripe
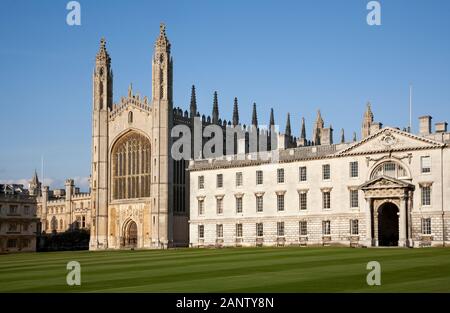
229,270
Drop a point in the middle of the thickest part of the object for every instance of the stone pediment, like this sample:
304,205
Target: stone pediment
390,139
386,182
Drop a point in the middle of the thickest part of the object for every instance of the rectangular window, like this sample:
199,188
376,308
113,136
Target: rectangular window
201,182
390,169
238,179
326,172
303,200
426,195
219,231
302,173
426,226
238,230
354,171
219,182
425,164
303,226
219,206
26,210
12,243
326,228
280,202
354,227
12,227
201,231
354,198
326,200
26,243
259,230
77,224
280,175
13,209
280,229
259,177
259,204
239,205
201,207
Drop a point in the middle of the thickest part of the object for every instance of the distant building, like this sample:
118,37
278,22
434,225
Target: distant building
18,219
61,210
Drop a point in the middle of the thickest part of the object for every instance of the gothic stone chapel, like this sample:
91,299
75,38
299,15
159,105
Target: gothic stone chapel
138,192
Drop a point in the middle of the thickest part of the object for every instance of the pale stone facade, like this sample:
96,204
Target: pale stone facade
392,188
18,219
62,210
141,197
135,184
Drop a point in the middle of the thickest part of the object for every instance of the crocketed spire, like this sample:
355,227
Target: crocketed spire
235,112
319,120
254,116
288,125
162,42
272,119
193,107
215,112
367,121
303,129
318,127
102,54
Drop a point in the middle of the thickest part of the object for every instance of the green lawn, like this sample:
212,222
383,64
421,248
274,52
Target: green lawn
230,270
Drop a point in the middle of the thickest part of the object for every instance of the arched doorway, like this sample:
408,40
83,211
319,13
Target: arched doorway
388,225
131,234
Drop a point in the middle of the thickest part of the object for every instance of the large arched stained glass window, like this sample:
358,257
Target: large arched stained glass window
131,167
389,169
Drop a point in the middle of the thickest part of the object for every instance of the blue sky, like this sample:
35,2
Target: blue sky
295,56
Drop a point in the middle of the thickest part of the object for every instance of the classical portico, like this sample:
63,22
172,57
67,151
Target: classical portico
388,200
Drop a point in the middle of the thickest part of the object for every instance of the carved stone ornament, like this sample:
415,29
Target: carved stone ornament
388,140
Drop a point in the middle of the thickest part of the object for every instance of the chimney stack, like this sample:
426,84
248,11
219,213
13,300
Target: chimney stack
374,127
425,125
327,136
441,127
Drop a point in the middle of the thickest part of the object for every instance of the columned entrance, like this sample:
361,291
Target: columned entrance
387,211
388,222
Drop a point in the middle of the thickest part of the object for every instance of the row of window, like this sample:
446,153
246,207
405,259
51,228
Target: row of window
14,210
80,222
15,227
14,243
56,210
390,169
302,229
326,175
303,202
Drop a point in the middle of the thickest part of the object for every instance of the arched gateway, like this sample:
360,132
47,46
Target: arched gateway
388,207
131,235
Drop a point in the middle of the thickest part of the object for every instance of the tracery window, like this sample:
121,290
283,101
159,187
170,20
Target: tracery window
390,169
131,167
